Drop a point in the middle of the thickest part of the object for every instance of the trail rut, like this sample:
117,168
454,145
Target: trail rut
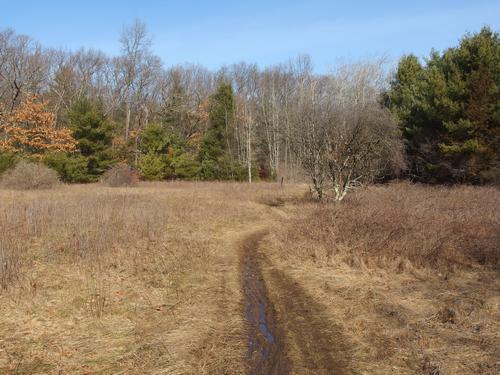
266,354
293,319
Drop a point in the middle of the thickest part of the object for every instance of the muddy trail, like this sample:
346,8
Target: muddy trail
294,323
266,352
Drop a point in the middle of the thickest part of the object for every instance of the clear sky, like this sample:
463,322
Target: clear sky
217,32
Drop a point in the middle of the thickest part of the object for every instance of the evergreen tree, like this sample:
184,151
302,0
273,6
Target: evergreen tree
214,144
154,144
214,155
7,161
185,166
155,138
449,111
470,144
153,167
94,134
159,147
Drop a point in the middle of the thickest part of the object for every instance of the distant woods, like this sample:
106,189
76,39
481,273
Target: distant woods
81,112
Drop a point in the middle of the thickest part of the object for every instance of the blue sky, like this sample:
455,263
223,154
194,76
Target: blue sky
214,33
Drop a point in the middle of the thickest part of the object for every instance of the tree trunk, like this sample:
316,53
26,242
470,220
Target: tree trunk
127,122
249,152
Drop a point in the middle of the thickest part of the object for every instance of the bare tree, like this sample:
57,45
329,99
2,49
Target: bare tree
24,67
183,96
287,119
343,137
137,69
363,142
77,75
244,78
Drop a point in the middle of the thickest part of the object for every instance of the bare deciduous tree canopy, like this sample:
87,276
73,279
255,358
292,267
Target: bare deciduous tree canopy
287,120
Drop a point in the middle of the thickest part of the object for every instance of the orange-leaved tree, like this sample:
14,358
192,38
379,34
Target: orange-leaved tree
31,129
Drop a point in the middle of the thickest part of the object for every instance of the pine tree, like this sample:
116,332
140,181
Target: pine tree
449,111
93,132
470,143
214,144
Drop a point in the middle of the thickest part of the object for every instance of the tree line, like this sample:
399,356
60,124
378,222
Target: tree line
81,112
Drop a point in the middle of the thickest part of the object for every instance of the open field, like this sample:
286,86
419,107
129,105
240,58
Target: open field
181,278
403,278
231,188
134,280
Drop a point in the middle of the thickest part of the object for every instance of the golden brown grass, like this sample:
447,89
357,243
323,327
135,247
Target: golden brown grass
402,224
402,279
117,280
409,273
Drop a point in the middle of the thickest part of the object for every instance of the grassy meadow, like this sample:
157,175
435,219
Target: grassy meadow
396,279
125,280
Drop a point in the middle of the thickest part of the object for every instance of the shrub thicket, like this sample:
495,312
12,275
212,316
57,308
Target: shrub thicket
29,175
120,175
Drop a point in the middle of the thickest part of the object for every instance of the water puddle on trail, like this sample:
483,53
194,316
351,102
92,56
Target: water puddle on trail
265,349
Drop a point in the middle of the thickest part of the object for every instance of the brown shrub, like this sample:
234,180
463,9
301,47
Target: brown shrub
438,227
120,175
27,175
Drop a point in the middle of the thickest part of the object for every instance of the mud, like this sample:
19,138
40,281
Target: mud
293,322
266,354
320,344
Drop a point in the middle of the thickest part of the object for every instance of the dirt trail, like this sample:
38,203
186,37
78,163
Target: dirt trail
320,345
292,323
266,353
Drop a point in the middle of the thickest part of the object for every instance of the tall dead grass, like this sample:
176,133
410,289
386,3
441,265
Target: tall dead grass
409,272
108,280
441,228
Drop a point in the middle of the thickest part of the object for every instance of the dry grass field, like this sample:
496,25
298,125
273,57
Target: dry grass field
404,278
98,280
397,279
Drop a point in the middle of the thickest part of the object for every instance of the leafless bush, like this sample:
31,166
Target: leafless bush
401,224
120,175
27,176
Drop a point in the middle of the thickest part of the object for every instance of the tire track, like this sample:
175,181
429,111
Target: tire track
301,321
266,353
321,345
